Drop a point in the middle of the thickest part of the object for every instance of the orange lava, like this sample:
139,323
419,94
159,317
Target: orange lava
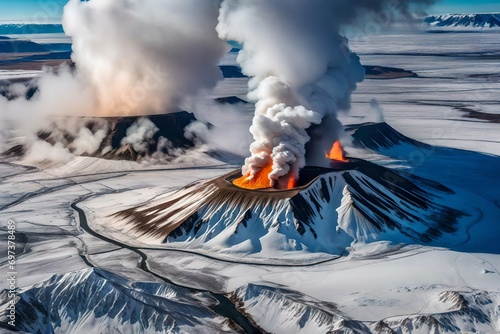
259,181
291,183
337,152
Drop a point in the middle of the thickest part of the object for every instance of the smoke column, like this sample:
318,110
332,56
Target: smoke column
302,70
303,74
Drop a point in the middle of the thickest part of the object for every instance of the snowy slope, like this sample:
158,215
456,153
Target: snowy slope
362,202
470,174
280,310
94,300
462,312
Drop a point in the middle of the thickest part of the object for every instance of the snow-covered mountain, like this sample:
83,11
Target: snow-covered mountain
96,301
288,311
362,202
464,20
331,208
30,28
357,201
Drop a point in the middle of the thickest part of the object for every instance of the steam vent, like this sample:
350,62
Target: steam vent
326,210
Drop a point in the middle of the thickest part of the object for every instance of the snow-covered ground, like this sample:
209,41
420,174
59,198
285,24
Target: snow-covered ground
375,287
19,74
375,282
430,108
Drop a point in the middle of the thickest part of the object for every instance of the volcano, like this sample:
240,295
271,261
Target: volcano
167,134
327,210
170,127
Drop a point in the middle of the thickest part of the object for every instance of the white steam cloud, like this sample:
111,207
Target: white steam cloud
132,57
302,71
143,57
302,74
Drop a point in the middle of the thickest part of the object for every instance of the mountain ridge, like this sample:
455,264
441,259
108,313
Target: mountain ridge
30,28
491,20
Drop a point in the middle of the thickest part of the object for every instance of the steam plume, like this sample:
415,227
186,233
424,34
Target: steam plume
143,57
133,57
303,74
302,70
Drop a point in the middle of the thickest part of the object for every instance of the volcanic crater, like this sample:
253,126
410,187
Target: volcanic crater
325,212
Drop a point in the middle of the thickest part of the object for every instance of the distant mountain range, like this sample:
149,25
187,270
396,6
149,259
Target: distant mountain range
443,21
464,20
30,29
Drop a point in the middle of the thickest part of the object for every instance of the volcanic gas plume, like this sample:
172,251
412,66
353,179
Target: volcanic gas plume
302,72
144,56
137,57
132,57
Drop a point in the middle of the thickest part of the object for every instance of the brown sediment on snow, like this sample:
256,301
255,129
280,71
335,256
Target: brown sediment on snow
194,205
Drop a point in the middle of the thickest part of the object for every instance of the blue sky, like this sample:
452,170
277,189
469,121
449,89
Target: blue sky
50,10
40,11
465,6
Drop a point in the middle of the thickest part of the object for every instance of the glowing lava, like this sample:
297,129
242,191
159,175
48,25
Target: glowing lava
337,152
259,180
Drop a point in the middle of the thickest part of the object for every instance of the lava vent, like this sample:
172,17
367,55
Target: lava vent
329,209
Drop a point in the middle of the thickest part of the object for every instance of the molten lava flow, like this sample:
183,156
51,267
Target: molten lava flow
337,152
259,180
